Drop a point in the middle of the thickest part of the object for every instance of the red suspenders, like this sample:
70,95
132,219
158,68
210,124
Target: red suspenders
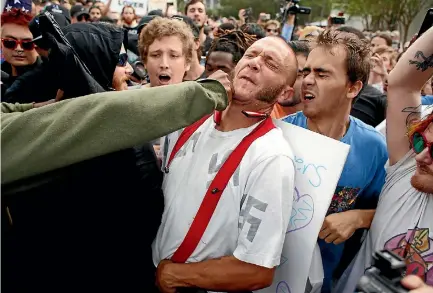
215,190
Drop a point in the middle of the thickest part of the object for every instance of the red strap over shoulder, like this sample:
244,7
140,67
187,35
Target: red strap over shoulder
215,190
183,138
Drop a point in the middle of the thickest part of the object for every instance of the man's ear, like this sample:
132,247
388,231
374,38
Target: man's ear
197,44
285,95
354,89
187,67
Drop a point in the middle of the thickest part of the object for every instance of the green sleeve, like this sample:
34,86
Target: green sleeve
10,108
64,133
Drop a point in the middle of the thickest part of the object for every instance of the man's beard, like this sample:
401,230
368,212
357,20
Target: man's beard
291,103
422,184
119,84
270,94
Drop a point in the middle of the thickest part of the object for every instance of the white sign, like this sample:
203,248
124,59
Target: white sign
140,6
319,161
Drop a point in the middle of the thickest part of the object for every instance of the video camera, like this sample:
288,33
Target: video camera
296,9
384,275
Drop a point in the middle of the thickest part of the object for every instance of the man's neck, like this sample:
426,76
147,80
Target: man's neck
195,71
233,118
374,78
292,109
130,24
14,71
334,126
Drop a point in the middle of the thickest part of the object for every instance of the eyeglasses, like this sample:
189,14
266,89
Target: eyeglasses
419,143
12,44
123,59
272,30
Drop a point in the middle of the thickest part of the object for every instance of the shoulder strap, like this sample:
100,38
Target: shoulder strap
214,192
183,138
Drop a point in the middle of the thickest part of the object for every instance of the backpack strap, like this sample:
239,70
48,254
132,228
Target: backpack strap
215,190
183,138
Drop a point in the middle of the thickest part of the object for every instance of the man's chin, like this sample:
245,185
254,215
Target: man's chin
422,182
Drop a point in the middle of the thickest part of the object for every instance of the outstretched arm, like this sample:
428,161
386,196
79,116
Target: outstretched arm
404,93
67,132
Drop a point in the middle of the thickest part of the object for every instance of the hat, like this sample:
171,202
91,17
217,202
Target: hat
78,10
157,12
143,21
23,5
190,23
58,9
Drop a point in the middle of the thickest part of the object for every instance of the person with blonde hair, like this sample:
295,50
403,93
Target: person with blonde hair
166,48
272,28
310,32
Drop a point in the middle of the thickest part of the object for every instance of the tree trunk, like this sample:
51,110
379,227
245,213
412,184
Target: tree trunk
405,32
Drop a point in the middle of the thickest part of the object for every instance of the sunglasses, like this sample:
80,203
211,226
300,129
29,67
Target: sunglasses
271,30
419,143
12,44
123,59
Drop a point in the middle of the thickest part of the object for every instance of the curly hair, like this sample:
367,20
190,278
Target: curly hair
358,53
235,42
253,29
163,27
16,16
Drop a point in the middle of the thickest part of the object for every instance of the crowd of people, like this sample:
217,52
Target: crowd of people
139,153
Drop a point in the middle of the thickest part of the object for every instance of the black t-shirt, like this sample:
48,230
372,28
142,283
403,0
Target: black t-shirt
131,30
370,107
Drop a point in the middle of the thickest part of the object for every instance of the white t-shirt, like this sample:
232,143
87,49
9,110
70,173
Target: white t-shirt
403,221
263,186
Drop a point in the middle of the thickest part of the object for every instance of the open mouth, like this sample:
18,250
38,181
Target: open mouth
309,97
164,78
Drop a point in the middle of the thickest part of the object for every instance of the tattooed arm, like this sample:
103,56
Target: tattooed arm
404,93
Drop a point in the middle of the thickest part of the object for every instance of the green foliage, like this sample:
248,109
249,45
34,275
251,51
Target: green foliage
320,8
387,14
232,7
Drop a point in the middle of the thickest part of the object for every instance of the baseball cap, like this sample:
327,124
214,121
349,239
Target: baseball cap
55,8
144,21
78,10
190,23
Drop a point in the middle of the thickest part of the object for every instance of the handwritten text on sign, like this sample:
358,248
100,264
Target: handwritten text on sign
319,162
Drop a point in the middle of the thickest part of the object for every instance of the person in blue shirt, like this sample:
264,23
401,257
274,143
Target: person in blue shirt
427,100
336,70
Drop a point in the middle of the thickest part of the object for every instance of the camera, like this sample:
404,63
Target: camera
296,9
338,20
384,275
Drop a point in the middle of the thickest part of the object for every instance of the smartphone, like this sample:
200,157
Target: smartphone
427,23
338,20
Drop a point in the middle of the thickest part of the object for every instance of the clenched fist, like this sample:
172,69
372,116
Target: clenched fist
225,80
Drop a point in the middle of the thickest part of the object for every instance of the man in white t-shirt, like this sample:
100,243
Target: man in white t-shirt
242,243
403,222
